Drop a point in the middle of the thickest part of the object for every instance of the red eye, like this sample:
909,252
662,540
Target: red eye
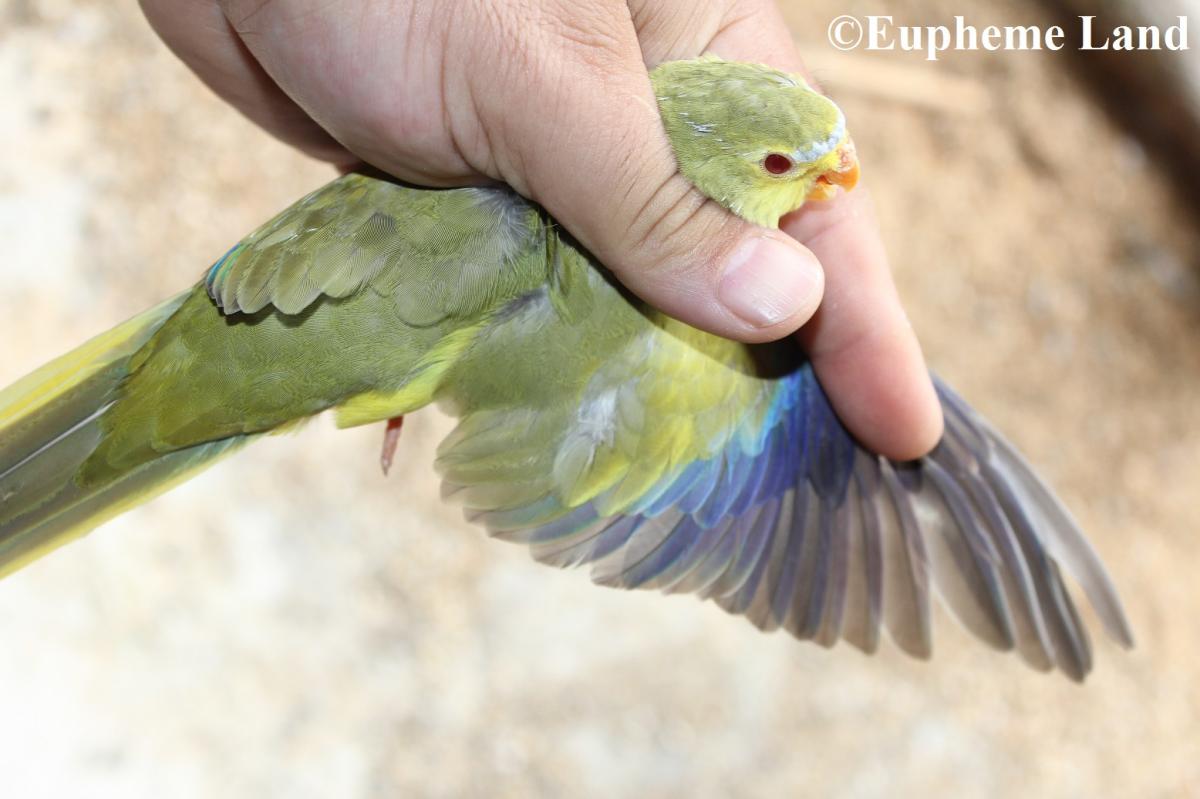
777,163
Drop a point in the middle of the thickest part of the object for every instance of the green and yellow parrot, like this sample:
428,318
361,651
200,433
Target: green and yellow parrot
592,428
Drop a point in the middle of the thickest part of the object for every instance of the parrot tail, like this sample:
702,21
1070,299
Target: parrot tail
50,424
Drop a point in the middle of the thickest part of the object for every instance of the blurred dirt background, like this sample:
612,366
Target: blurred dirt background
292,624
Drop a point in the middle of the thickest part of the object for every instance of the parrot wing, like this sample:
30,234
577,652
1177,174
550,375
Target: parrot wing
361,231
670,469
356,298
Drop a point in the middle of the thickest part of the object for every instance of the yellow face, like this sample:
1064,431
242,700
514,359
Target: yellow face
784,183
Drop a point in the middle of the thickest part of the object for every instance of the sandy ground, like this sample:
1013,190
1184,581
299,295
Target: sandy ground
292,624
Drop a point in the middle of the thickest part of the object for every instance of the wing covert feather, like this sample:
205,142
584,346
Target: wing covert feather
450,250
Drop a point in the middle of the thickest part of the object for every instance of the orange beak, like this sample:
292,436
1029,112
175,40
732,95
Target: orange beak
845,174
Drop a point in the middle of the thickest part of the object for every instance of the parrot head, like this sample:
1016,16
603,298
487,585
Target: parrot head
756,140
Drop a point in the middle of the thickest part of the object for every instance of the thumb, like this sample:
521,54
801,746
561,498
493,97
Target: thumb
598,159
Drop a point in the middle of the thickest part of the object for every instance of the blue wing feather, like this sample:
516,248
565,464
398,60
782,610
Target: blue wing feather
769,528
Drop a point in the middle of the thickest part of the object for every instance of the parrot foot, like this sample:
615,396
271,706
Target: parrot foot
391,437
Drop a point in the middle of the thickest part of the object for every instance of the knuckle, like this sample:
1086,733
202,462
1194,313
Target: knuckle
243,13
537,40
670,29
593,35
674,29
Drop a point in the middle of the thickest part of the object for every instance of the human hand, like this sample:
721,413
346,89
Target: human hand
552,97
